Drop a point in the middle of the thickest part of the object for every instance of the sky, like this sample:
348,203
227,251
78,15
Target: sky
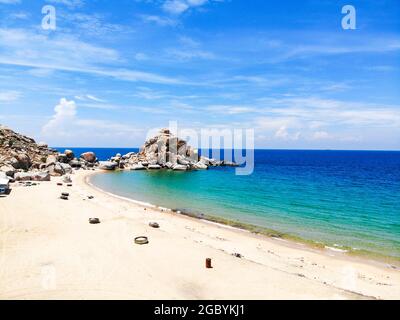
112,70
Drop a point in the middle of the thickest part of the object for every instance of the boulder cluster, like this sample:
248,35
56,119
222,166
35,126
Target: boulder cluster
22,159
166,151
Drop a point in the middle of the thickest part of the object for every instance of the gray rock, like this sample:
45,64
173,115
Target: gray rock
154,167
23,176
107,165
137,167
179,167
21,161
75,164
41,176
183,161
51,160
200,166
229,164
66,168
62,158
67,179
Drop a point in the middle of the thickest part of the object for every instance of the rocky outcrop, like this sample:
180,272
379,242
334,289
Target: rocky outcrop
24,160
21,153
32,176
21,157
166,151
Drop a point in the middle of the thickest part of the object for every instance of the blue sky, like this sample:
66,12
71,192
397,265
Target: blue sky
114,69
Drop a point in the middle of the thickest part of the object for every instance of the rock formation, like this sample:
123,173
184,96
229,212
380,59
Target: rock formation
21,158
166,151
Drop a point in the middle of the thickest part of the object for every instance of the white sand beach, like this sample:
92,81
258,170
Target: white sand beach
48,250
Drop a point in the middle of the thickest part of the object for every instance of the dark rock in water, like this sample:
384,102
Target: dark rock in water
229,164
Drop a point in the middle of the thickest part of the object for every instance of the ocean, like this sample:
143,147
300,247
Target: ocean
348,200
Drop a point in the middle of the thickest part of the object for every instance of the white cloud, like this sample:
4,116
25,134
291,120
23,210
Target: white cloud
66,127
60,123
67,53
178,7
160,21
9,96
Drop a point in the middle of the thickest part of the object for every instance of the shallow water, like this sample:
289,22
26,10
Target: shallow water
340,198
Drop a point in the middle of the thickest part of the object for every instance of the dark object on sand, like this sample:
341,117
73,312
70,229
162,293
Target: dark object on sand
208,263
69,185
154,225
65,194
237,255
64,198
59,184
141,240
90,197
94,220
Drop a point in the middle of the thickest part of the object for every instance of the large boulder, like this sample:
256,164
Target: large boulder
89,157
75,164
107,165
23,176
200,166
56,170
21,161
70,154
67,169
40,176
62,158
51,160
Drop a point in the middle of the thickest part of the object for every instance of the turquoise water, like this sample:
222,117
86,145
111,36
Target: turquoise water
342,198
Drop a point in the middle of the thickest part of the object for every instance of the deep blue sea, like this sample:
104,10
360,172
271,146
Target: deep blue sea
340,198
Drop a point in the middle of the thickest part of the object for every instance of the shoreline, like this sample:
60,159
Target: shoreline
340,251
48,250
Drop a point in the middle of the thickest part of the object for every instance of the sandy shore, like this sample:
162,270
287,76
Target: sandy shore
48,250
